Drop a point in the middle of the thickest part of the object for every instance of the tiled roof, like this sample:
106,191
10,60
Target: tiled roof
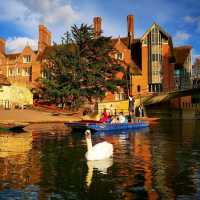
4,80
125,40
12,55
15,55
197,61
181,53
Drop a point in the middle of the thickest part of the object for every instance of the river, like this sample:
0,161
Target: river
160,162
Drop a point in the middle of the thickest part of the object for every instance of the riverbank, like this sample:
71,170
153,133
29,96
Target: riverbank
19,117
35,116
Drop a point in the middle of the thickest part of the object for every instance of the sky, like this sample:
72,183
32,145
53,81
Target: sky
19,19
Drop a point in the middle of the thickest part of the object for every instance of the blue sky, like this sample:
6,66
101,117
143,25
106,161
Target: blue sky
19,19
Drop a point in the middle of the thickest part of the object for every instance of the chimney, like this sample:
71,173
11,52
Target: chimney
97,26
130,23
44,38
2,46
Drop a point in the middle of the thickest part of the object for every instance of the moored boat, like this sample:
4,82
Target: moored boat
15,127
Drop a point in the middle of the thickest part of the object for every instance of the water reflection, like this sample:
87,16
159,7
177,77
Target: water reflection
12,145
162,162
99,165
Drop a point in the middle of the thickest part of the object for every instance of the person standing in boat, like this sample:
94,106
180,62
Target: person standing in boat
140,110
131,103
111,110
131,107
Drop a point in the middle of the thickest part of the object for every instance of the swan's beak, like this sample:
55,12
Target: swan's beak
87,133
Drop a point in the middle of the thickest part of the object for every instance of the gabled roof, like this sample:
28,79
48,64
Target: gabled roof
13,55
4,80
125,40
159,27
181,53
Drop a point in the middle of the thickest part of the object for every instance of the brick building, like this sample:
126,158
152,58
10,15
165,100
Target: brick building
149,59
24,68
183,67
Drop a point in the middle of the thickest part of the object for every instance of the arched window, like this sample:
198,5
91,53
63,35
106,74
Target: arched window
138,88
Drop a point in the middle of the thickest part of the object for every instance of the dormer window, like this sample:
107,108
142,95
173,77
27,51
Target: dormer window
27,59
119,56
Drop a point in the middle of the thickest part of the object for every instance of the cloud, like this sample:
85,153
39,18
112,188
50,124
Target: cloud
189,19
57,15
195,54
181,36
193,20
17,44
18,13
51,12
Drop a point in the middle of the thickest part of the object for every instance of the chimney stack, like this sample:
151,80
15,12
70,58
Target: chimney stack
44,38
130,23
2,46
97,26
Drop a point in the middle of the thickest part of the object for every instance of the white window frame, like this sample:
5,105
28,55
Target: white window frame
27,59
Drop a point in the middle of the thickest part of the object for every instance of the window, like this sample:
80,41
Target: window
138,88
27,59
19,71
155,88
1,88
156,57
26,71
12,71
119,96
119,56
160,58
154,36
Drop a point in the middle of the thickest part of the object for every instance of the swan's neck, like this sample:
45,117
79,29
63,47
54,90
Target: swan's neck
89,144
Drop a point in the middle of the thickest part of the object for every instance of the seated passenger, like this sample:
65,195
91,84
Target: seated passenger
114,120
104,117
122,118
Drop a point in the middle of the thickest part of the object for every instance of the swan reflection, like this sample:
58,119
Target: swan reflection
100,165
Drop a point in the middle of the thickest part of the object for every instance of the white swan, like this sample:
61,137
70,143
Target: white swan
99,151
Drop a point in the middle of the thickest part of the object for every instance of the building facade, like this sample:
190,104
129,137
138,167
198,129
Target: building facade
150,61
196,73
24,68
183,67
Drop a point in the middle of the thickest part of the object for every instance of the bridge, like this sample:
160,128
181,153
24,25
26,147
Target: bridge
147,100
164,97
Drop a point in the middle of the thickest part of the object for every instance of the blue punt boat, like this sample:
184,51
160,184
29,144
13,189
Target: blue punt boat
98,126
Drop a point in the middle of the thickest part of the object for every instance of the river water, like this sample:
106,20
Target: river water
160,162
